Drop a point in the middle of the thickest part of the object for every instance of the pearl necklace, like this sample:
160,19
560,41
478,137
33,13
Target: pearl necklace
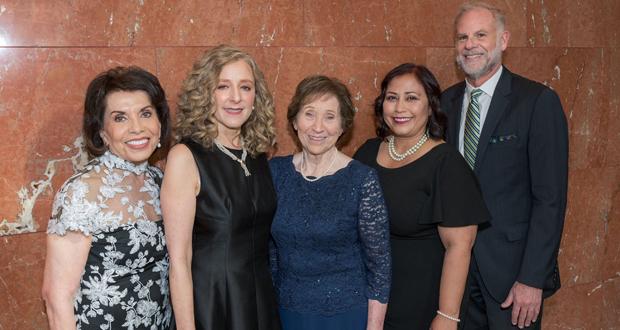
315,178
399,157
233,157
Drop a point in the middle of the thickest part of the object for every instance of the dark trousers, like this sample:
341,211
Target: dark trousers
481,311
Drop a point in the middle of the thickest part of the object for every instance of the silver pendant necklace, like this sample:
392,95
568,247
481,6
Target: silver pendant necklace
399,157
233,157
315,178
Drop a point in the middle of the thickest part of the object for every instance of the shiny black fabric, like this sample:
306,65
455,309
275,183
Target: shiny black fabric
230,272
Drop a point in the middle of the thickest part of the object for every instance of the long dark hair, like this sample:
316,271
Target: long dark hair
437,121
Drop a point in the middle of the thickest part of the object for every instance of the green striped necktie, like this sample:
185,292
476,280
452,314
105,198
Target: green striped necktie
472,128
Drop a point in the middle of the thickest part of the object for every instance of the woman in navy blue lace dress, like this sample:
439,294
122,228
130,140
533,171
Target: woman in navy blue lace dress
330,255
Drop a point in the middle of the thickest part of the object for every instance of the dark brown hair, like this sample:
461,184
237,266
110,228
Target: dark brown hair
436,124
126,79
313,87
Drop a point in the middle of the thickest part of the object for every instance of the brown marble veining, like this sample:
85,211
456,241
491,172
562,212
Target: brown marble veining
392,22
611,72
592,23
50,50
151,23
41,108
21,272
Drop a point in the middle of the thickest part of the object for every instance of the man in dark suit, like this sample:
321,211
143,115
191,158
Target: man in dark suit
513,133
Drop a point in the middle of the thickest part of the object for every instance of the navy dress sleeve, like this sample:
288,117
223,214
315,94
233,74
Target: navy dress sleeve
274,165
375,237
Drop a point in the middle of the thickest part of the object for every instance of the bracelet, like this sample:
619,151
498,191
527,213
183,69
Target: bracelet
452,318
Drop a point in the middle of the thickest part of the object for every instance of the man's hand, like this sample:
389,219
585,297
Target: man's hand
525,301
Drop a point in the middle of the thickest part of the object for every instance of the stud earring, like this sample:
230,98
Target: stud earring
158,144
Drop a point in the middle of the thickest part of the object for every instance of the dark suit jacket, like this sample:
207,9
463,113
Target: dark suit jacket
522,166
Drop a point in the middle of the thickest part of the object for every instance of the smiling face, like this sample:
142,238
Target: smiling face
131,128
319,124
479,45
234,97
405,107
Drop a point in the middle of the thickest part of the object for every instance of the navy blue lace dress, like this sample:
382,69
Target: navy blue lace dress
330,252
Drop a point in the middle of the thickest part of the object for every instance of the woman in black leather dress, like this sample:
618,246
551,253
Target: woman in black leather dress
218,199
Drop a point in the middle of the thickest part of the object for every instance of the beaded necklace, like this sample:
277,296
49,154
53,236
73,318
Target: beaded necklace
399,157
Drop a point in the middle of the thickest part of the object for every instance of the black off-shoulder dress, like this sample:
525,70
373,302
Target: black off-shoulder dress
437,189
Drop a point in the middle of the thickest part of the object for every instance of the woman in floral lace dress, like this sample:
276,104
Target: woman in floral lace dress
107,263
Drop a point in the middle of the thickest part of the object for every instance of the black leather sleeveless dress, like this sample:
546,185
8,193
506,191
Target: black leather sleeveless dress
230,263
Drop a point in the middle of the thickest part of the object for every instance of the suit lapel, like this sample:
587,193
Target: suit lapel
499,104
455,115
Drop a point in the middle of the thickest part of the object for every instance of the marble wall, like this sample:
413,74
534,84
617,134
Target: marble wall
50,50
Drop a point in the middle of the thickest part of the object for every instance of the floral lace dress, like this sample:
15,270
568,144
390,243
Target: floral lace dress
125,280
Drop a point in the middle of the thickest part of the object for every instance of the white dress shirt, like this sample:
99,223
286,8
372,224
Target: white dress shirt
484,100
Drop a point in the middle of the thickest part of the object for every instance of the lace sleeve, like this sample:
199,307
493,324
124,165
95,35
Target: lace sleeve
274,166
72,210
375,237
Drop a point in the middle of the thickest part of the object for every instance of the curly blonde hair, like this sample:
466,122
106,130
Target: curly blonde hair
196,113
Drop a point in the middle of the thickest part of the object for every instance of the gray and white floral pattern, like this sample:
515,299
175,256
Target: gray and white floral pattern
125,280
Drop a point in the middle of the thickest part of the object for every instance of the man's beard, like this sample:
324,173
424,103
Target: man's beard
492,60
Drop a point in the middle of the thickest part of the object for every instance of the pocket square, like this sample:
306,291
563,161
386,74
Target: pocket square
502,138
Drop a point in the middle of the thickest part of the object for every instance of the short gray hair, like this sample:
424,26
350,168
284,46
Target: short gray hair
500,18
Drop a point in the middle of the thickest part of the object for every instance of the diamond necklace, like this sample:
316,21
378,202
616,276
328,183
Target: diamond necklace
233,157
399,157
315,178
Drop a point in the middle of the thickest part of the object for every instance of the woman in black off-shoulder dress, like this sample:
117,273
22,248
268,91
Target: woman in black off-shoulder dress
433,201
